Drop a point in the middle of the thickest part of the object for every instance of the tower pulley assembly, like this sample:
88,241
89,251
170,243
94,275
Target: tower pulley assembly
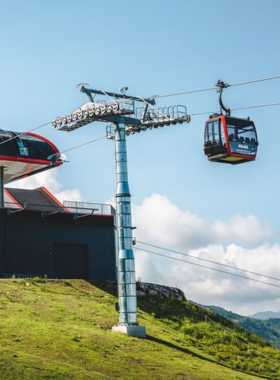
121,108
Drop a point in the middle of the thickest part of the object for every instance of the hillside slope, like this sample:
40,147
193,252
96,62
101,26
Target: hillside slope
267,329
62,330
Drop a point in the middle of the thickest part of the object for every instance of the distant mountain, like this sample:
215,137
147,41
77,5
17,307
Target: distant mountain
266,315
268,329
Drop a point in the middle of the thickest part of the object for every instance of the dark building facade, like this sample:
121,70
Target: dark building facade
39,236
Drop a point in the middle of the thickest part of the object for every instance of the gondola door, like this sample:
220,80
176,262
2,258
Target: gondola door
215,139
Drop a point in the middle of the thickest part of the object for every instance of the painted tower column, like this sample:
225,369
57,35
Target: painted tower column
126,270
1,186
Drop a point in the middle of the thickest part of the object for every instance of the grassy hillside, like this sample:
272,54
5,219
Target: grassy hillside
267,329
62,330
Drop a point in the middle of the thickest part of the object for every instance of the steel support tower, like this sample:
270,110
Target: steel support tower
125,120
2,186
126,266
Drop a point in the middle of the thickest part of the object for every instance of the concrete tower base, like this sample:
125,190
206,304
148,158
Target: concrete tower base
136,331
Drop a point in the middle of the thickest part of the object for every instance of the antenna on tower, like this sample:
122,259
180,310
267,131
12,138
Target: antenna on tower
123,90
80,85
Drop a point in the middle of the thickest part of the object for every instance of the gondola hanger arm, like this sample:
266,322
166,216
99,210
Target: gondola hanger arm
220,87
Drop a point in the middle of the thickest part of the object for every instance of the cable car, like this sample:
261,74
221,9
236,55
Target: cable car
229,139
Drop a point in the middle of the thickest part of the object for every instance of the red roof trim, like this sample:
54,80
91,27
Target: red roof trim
44,139
53,198
13,199
28,160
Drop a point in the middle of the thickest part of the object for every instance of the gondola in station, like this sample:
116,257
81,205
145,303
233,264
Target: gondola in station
25,154
228,139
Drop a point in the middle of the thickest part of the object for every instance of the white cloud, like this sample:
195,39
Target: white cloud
243,242
245,229
163,222
50,180
157,219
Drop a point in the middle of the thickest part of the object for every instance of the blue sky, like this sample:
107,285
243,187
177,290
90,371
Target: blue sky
157,47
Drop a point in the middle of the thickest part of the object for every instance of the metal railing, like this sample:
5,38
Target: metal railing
89,208
177,113
71,207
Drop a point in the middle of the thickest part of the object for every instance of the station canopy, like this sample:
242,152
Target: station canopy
25,154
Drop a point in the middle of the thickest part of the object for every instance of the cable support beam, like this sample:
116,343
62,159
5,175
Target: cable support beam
210,261
114,95
108,96
206,267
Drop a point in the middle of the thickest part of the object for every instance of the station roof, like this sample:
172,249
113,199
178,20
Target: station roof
38,200
39,204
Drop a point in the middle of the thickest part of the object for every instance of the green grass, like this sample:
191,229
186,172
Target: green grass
268,329
62,330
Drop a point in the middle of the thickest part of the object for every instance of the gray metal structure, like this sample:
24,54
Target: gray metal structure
1,186
125,120
86,208
126,270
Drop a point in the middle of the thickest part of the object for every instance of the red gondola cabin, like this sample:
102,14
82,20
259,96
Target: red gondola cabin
230,140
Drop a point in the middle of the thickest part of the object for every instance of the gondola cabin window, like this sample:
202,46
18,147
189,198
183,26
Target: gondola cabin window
242,139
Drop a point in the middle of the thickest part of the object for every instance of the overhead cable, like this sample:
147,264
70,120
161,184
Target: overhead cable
215,88
210,261
64,151
204,266
238,108
183,92
23,133
81,145
256,106
255,81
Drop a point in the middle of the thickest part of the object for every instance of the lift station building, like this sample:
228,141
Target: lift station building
39,236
